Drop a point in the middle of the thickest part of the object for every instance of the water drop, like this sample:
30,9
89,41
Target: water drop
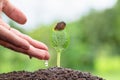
30,57
46,63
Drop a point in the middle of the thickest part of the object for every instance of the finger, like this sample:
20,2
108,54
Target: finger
12,47
12,38
38,53
34,52
13,12
33,42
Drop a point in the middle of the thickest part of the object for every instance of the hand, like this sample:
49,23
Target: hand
13,39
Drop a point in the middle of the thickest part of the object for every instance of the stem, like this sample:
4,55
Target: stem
58,58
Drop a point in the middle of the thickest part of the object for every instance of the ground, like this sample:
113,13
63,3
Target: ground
55,73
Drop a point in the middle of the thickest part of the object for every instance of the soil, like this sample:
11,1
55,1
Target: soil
55,73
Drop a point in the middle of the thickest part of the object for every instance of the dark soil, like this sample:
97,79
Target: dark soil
55,73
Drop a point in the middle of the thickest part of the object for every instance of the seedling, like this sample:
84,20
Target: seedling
60,39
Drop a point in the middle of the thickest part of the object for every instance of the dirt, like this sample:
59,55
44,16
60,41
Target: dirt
55,73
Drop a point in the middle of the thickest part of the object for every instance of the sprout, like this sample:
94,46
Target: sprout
60,39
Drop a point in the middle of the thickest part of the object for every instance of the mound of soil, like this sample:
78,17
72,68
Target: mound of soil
55,73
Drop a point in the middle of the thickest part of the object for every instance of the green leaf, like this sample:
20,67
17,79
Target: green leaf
60,40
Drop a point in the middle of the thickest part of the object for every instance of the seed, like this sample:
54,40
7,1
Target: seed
60,26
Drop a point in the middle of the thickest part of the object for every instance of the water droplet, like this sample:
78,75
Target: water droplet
46,63
30,57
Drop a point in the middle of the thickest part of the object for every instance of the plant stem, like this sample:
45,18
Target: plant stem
58,58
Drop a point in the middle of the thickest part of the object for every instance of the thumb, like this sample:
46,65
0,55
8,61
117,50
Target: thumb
13,12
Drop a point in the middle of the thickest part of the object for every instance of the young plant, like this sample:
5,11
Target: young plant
60,39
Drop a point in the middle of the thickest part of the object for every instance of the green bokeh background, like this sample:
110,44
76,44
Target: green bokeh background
94,46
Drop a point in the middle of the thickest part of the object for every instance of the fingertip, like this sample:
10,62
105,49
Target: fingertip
18,16
45,47
23,21
47,55
39,45
37,53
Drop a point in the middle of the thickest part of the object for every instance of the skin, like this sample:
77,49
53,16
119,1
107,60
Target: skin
15,40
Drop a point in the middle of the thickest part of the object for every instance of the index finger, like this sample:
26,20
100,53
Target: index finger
13,12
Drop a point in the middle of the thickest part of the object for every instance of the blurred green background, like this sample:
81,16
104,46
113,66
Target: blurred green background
94,46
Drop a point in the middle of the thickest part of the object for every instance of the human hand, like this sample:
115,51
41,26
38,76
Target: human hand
15,40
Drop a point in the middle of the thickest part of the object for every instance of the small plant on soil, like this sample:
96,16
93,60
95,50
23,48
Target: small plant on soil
60,39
